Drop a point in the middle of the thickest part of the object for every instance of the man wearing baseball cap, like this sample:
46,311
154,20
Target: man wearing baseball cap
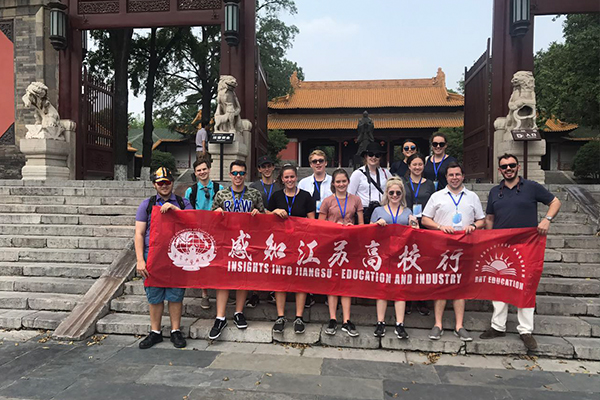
167,200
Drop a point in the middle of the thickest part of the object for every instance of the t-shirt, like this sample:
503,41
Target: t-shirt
202,201
266,191
517,207
425,191
301,205
383,213
442,209
201,136
399,168
332,212
309,184
429,171
245,201
142,216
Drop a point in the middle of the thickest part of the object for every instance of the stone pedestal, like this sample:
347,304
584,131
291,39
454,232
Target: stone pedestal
49,158
238,150
504,143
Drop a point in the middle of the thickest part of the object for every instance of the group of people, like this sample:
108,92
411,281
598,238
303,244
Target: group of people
420,192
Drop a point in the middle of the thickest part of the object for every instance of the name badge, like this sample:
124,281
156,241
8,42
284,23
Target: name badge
435,184
318,205
457,221
417,210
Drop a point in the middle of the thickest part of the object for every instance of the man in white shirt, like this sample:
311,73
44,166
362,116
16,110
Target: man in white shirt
201,141
368,182
319,183
452,210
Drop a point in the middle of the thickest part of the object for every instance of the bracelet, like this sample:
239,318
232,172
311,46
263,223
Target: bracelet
474,226
439,227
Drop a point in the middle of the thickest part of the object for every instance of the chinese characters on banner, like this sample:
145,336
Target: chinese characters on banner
237,251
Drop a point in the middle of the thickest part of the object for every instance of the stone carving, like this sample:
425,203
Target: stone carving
134,6
6,27
365,133
227,116
199,4
522,111
97,7
47,121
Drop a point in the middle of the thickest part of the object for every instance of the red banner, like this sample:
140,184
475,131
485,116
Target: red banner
202,249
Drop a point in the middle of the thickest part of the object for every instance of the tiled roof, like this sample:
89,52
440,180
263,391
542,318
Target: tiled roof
556,125
368,94
159,135
350,121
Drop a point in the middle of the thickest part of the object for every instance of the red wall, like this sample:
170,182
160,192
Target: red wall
290,152
7,84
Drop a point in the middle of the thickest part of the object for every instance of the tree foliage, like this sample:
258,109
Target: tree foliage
586,163
567,75
276,142
163,159
455,142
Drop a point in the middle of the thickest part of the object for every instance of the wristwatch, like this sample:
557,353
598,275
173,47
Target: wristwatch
549,218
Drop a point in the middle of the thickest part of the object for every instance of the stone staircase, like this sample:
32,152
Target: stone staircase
55,241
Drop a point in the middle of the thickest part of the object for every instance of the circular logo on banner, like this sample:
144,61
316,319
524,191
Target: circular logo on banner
192,249
501,260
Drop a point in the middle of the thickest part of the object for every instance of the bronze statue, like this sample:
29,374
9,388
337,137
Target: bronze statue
365,133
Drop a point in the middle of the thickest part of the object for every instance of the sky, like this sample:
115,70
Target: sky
393,39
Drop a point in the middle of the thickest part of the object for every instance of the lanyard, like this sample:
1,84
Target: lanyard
237,203
265,189
318,186
459,199
394,219
413,187
439,166
160,201
288,202
340,206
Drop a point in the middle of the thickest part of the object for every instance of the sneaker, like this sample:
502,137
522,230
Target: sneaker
401,332
253,301
408,308
310,301
205,303
350,328
529,341
436,333
380,329
463,335
217,329
178,340
151,340
240,321
332,327
299,326
271,298
423,309
491,333
279,325
230,301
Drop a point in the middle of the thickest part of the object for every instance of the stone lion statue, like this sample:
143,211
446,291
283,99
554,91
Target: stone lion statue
47,121
227,116
522,109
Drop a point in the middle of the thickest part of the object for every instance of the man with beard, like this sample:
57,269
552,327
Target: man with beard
513,204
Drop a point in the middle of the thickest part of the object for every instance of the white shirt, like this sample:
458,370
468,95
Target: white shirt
441,208
308,184
201,136
360,186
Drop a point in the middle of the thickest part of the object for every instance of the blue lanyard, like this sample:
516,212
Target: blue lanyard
160,201
459,199
237,203
394,219
413,187
439,166
265,189
340,206
318,186
288,202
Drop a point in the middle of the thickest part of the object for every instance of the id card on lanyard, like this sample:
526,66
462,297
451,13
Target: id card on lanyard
457,223
436,169
417,208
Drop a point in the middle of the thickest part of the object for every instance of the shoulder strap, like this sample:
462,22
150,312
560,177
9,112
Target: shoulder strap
180,202
194,195
215,188
371,181
151,203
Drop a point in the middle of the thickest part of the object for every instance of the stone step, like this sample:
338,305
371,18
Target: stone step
571,270
562,228
573,242
76,183
45,284
65,219
73,200
38,301
76,191
57,255
569,286
72,230
578,256
31,319
69,209
62,242
128,324
61,270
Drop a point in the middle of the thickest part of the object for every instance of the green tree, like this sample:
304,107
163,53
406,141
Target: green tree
163,159
455,142
567,75
277,141
585,163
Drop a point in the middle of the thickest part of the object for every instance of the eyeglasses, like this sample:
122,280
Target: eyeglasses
438,144
374,155
395,193
164,183
317,161
407,148
236,173
511,165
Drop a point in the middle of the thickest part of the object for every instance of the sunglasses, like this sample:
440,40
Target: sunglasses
163,183
374,155
438,144
206,193
511,165
407,148
318,161
236,173
395,193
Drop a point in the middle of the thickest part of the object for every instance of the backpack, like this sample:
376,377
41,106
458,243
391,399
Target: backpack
194,193
152,203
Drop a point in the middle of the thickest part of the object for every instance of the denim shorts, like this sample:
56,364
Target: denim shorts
157,295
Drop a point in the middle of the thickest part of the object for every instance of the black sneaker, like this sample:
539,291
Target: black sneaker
350,328
217,328
299,326
151,340
401,332
279,325
272,298
310,301
332,327
253,301
380,329
240,321
178,340
408,308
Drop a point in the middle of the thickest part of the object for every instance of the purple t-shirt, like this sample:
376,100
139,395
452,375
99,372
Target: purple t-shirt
142,216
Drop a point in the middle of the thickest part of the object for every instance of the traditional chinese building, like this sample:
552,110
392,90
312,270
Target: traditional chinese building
326,114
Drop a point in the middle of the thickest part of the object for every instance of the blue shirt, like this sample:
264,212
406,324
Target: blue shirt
382,213
203,203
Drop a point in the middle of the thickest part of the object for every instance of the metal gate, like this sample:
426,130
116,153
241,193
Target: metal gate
478,145
260,136
97,133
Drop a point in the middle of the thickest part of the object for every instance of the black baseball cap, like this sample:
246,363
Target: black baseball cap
162,174
265,160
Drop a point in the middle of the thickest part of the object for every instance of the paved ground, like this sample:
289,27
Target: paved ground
112,367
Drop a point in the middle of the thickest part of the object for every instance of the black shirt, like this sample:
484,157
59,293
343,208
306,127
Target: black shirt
302,204
429,172
517,207
399,168
425,191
